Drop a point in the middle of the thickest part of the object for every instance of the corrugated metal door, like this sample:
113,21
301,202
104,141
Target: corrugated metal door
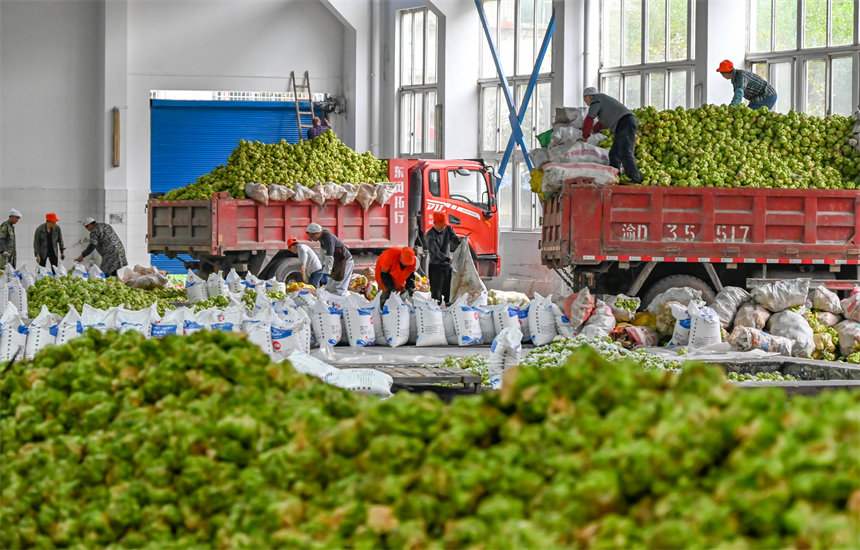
190,138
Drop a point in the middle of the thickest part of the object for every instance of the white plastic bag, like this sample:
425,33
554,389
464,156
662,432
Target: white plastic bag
234,282
42,272
727,302
369,381
80,271
251,281
60,270
748,338
704,326
601,322
431,329
683,294
326,323
40,333
824,299
307,364
13,334
794,327
358,318
196,288
95,272
17,296
851,305
467,324
683,324
395,321
781,295
69,327
216,286
849,336
541,320
752,316
464,275
505,353
562,324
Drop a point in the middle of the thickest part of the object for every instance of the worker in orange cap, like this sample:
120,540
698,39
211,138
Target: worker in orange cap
311,266
48,242
748,85
395,271
440,240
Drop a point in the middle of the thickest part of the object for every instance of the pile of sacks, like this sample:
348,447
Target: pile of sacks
566,157
138,277
232,286
786,317
363,193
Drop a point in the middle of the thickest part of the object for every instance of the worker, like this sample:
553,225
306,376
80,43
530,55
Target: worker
311,265
48,242
748,85
612,114
8,249
318,129
337,261
395,272
105,241
439,241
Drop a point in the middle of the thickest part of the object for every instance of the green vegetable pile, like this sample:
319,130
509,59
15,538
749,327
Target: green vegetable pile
722,146
214,301
322,159
58,293
627,304
826,338
201,442
476,364
556,354
760,377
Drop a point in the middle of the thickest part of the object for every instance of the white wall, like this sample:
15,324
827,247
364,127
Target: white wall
50,136
730,17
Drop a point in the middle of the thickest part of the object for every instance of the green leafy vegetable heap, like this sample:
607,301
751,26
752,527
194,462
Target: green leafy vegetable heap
760,377
58,293
722,146
201,442
323,159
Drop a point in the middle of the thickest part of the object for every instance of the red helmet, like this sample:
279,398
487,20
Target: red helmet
407,256
438,218
291,242
726,66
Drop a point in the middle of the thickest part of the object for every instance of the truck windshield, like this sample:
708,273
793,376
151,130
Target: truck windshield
469,186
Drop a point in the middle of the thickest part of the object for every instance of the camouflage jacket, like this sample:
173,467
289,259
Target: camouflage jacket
104,240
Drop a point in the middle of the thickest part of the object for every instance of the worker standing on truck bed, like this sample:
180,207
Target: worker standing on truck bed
8,249
311,265
318,129
48,242
337,261
440,240
621,121
105,241
395,272
748,85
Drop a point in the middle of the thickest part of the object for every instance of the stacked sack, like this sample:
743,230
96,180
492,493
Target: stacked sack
566,157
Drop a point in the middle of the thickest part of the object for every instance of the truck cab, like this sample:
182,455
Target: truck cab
461,190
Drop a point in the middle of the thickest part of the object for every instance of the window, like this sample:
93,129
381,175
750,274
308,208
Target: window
468,186
417,82
434,187
807,50
646,52
518,28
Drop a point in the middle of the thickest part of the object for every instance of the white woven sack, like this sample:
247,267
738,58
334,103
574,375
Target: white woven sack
466,324
196,288
541,319
431,328
13,334
359,323
40,334
70,327
396,321
307,364
369,381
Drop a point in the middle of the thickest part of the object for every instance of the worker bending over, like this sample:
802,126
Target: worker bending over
395,272
311,266
336,261
748,85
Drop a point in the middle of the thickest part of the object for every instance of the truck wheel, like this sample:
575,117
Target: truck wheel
673,281
286,270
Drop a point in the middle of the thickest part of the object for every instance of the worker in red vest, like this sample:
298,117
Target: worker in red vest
395,272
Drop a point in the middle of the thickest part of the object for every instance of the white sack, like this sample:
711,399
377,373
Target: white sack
562,324
257,191
13,335
173,322
196,288
849,337
217,286
752,316
41,333
794,327
704,326
448,323
541,319
70,327
234,282
488,325
467,325
326,323
748,339
683,324
727,303
307,364
850,305
431,328
781,295
358,318
369,381
17,296
395,321
684,294
95,272
601,322
824,299
505,353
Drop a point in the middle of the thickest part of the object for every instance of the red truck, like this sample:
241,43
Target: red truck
644,240
244,234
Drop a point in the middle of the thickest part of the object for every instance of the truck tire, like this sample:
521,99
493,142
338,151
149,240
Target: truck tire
286,270
673,281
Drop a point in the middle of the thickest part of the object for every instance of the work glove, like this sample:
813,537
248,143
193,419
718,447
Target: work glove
324,279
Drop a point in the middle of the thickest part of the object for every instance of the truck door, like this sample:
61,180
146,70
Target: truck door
469,207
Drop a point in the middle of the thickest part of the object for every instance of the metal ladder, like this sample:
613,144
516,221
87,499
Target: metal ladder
296,87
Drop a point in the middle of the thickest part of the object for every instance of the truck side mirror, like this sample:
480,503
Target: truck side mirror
490,202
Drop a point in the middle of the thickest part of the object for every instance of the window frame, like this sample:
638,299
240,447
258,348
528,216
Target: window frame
516,82
423,146
644,69
800,56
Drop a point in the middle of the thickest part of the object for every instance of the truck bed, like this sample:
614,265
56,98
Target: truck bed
588,223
